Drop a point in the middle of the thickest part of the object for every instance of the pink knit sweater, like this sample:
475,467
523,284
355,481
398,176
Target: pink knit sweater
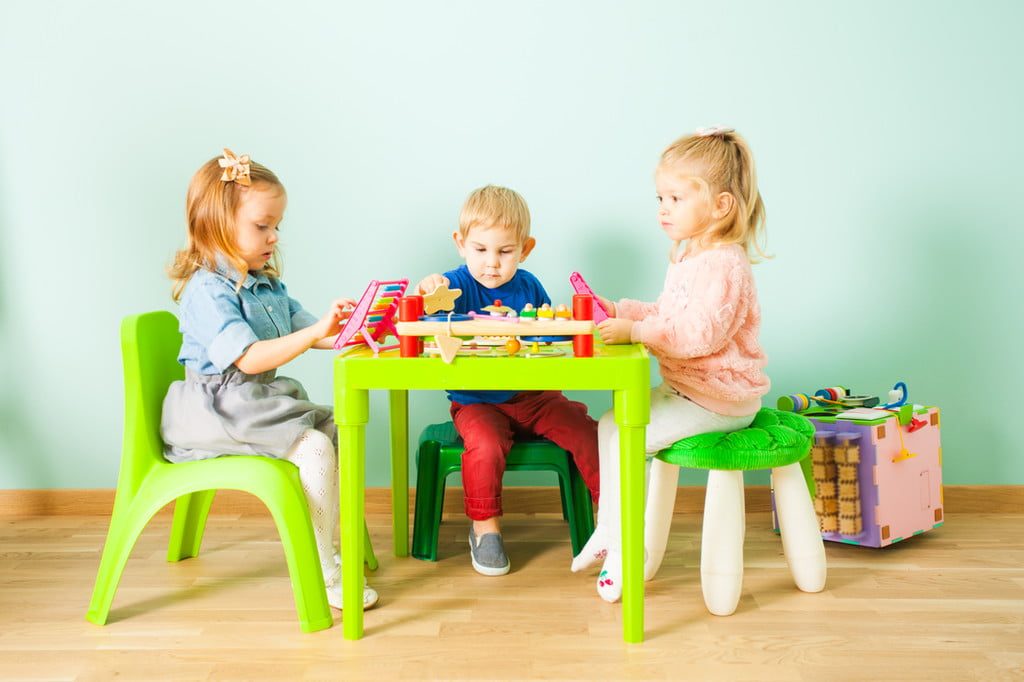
703,330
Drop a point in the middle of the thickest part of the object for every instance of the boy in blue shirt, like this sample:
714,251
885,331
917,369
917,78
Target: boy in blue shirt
494,238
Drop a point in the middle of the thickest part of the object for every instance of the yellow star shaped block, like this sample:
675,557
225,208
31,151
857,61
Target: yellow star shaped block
441,298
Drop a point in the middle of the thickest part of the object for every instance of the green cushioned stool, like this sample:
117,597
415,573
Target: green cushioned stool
440,455
780,441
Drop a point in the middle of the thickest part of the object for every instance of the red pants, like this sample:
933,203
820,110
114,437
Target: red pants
488,431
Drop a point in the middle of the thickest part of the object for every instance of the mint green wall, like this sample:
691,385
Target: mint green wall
888,137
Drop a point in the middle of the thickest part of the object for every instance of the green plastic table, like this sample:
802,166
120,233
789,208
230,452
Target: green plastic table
622,369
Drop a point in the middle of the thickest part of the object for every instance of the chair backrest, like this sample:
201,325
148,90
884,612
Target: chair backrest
150,343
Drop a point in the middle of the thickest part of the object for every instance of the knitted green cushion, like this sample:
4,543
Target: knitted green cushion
773,439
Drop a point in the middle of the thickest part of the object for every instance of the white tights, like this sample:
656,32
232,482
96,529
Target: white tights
315,456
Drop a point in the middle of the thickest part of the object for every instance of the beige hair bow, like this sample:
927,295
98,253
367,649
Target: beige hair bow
236,168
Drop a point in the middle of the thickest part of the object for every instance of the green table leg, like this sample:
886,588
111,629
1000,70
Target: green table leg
631,463
400,471
632,412
352,463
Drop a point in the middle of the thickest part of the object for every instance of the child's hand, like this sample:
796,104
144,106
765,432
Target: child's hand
609,306
329,324
616,330
431,282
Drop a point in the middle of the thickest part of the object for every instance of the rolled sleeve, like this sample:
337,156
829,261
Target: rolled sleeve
300,317
230,344
213,317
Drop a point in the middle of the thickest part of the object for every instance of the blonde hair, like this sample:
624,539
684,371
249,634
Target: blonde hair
210,207
725,164
494,206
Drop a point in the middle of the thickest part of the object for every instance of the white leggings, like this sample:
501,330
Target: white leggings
673,417
317,459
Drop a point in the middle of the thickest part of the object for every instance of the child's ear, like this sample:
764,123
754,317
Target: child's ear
527,248
723,205
460,244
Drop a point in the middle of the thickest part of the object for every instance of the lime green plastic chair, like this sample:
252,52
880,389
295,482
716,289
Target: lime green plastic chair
147,482
440,455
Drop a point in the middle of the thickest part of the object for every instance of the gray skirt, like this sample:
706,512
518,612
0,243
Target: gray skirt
234,413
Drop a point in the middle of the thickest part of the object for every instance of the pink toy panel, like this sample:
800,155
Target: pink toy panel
374,315
909,488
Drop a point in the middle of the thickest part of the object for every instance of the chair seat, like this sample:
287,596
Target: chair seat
440,455
773,439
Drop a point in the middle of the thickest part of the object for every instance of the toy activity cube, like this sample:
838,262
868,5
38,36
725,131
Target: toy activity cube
878,474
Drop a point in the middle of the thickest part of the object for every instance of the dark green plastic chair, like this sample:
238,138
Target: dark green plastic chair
147,482
440,455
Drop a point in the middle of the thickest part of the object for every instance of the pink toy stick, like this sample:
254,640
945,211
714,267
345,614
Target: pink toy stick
355,320
580,286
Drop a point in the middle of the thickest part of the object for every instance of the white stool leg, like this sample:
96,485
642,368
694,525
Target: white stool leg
661,500
721,544
798,525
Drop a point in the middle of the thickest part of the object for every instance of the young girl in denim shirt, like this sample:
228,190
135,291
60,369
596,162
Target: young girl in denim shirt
239,325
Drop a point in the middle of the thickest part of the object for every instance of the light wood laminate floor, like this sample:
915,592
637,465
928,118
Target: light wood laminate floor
945,605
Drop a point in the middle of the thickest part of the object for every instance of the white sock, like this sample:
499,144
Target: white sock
314,455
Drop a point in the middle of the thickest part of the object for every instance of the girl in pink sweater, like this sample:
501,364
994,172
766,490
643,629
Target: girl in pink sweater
703,331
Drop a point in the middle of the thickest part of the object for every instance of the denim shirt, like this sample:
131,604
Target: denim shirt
218,324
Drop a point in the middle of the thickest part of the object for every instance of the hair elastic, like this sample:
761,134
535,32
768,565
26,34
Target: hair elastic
714,131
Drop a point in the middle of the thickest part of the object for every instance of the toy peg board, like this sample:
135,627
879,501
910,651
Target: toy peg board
483,326
374,316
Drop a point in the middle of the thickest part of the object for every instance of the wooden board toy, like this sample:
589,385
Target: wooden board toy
499,321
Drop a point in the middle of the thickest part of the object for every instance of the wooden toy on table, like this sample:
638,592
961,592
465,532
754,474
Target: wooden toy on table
441,298
448,332
497,309
374,316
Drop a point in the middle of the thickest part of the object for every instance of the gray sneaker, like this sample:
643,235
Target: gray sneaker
488,553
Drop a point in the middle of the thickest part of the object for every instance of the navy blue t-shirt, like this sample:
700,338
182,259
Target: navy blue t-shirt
523,288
